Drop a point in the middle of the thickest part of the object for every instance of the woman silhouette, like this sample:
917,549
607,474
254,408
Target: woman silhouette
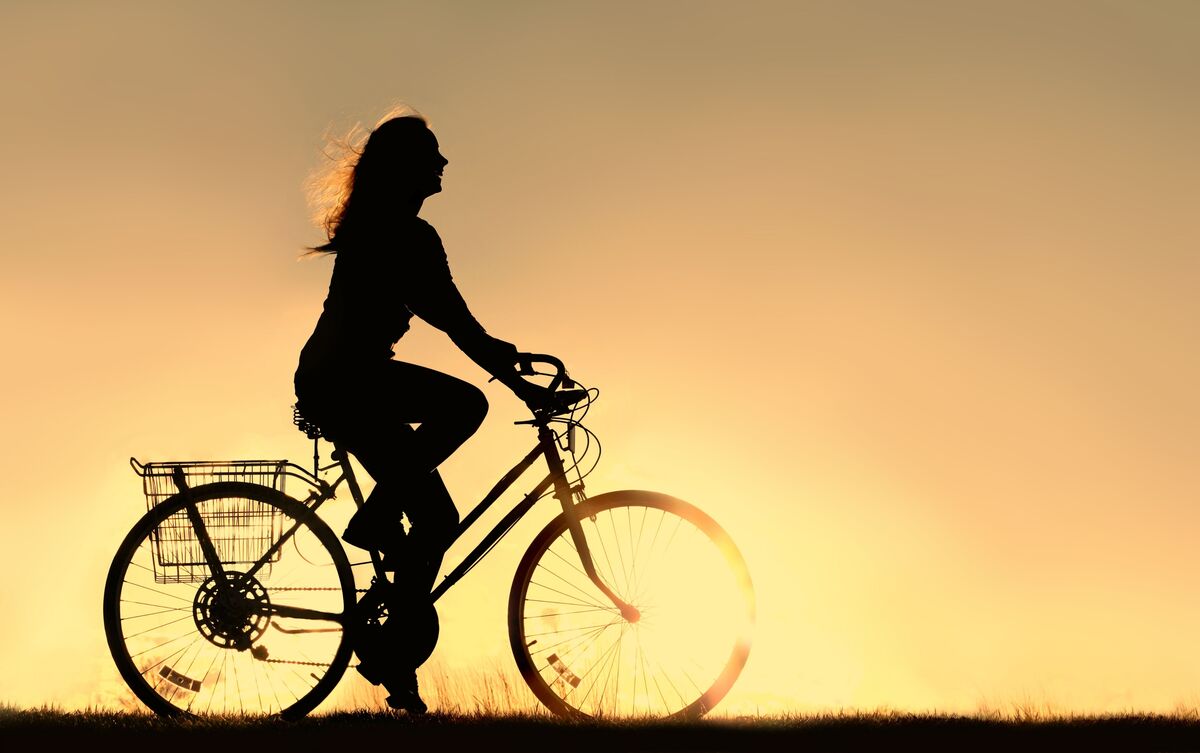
390,265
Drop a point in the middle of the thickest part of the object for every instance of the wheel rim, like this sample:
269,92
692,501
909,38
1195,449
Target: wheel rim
187,642
686,579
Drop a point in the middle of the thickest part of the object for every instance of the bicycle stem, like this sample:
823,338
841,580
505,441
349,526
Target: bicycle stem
562,492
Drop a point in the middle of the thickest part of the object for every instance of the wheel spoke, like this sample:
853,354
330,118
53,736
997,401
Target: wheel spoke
589,597
576,641
569,630
568,596
167,658
160,645
158,627
624,585
569,564
162,609
611,655
569,604
637,574
610,610
163,593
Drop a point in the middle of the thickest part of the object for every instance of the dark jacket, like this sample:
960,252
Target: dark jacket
373,294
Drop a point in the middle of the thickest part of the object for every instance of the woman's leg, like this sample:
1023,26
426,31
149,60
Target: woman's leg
448,410
403,461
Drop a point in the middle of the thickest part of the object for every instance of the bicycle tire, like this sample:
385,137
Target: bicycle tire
670,595
140,587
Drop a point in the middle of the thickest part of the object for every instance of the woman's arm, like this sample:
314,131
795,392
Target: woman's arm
433,296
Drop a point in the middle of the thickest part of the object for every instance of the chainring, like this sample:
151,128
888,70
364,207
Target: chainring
232,612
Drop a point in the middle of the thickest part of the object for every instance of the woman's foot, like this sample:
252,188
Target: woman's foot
404,695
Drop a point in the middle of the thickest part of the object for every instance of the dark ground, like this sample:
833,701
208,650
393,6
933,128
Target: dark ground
365,731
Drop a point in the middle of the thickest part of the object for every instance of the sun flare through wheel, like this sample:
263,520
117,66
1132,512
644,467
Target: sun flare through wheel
677,655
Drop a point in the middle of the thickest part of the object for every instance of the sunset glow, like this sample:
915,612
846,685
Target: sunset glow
904,296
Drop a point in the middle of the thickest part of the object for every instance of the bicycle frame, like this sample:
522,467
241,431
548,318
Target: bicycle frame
546,447
208,523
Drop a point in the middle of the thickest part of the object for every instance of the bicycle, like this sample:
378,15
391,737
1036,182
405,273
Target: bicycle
629,603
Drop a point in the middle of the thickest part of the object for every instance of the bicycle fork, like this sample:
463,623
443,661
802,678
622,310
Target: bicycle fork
563,493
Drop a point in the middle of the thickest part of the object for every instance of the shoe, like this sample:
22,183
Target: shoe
404,695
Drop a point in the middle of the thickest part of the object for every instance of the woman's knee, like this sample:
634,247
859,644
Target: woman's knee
473,406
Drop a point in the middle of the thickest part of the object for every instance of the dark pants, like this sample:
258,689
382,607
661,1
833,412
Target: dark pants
369,412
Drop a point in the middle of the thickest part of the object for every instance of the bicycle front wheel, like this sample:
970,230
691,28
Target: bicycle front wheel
677,567
265,635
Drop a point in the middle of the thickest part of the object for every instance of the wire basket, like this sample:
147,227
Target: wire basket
241,530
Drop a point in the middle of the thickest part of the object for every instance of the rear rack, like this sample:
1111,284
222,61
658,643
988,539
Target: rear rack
159,479
242,530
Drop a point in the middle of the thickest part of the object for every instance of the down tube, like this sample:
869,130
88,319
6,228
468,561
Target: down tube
507,522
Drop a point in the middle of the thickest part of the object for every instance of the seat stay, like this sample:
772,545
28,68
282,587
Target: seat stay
312,503
278,545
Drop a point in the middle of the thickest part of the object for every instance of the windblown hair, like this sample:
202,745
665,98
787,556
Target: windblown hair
349,190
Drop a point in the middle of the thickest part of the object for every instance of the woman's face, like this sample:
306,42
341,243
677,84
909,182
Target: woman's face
427,165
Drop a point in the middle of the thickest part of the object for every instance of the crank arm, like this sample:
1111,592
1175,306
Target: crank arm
299,613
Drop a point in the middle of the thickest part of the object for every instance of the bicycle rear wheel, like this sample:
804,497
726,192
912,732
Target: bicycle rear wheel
677,567
261,639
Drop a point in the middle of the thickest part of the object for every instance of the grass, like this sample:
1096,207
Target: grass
1022,730
487,708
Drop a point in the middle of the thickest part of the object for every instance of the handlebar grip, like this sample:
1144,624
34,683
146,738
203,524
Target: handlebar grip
528,359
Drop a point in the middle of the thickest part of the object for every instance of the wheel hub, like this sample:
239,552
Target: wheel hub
230,612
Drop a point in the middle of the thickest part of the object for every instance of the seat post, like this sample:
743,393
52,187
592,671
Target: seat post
313,432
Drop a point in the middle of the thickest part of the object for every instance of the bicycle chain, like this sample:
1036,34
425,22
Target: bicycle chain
315,588
294,661
302,663
298,662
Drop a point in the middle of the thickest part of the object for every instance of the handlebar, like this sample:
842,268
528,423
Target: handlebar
525,362
562,400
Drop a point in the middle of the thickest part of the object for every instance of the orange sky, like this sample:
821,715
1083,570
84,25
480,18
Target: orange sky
904,295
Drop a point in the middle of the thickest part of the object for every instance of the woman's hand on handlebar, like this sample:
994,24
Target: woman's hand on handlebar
506,365
535,396
510,366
